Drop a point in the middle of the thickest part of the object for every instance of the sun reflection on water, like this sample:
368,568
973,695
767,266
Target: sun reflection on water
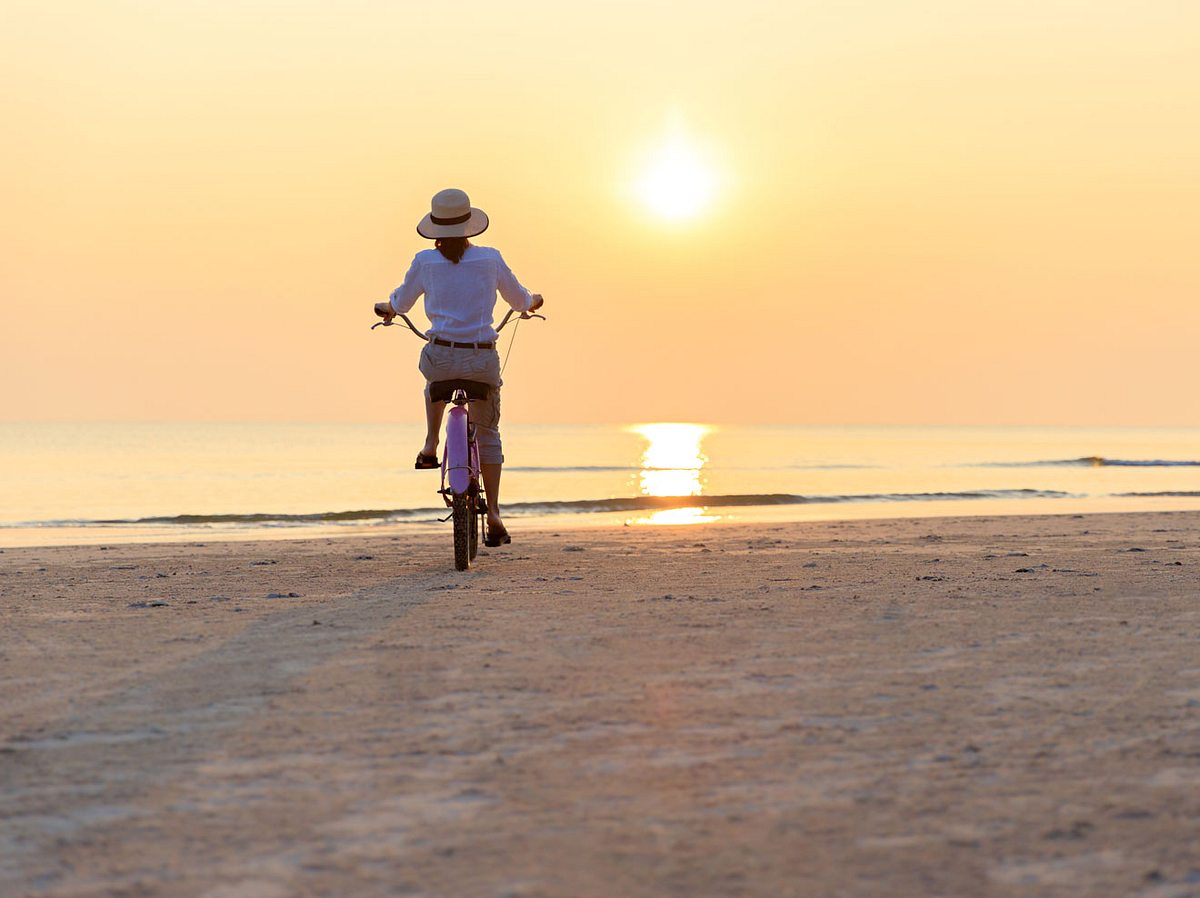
671,466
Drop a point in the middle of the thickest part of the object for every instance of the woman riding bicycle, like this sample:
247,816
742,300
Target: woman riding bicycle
460,282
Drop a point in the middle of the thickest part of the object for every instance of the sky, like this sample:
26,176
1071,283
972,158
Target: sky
944,212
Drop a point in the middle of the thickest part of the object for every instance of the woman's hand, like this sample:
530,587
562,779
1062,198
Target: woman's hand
385,311
538,302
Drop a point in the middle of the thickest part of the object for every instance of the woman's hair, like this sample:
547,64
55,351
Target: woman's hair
452,247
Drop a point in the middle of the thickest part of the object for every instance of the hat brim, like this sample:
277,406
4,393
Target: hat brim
472,227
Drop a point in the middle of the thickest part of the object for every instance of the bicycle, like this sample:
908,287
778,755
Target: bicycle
462,483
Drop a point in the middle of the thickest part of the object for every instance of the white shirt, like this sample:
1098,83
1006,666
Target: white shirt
459,298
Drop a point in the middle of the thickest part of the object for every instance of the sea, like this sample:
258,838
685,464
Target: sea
63,484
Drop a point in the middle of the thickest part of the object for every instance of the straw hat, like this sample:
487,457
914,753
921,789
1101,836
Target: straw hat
451,215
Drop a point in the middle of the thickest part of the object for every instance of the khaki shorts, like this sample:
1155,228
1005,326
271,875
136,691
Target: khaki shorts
483,365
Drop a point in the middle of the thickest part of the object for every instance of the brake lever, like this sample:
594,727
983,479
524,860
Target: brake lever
388,323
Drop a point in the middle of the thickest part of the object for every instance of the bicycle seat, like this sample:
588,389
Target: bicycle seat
443,390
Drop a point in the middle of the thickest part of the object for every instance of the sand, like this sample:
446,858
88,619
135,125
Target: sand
974,706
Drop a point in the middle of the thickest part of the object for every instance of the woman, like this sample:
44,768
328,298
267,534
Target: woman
459,282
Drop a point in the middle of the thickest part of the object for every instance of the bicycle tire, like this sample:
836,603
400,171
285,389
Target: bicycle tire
473,541
461,513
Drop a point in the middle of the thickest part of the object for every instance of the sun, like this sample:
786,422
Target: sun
679,183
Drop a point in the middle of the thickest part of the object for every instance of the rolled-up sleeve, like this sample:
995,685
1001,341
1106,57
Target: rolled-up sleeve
510,288
405,296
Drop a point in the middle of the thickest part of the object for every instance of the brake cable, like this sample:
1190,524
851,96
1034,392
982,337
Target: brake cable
511,341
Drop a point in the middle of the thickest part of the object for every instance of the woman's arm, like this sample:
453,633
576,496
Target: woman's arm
510,288
403,297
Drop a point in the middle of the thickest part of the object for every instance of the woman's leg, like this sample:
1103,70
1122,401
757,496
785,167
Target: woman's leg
431,368
491,452
433,425
486,416
491,485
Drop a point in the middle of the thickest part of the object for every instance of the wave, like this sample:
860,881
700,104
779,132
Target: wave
656,503
830,467
1096,461
320,517
1185,494
636,469
569,506
577,468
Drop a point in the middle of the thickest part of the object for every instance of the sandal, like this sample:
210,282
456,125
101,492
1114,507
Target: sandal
426,461
496,536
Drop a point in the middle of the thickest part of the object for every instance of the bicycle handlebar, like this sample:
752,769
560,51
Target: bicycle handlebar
388,322
523,315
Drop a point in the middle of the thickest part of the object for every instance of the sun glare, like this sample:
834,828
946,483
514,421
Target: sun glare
671,465
678,183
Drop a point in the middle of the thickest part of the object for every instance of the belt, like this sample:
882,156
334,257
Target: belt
440,342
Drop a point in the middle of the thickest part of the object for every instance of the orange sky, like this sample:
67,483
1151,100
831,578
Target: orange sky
927,212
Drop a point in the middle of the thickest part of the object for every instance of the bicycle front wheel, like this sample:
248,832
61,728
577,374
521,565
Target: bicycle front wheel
463,521
473,542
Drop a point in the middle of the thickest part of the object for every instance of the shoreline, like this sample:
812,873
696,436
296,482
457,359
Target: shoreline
136,533
1001,705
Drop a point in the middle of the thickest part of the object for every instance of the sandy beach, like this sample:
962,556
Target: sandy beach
956,706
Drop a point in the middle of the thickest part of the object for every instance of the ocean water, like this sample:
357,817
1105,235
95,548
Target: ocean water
91,483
